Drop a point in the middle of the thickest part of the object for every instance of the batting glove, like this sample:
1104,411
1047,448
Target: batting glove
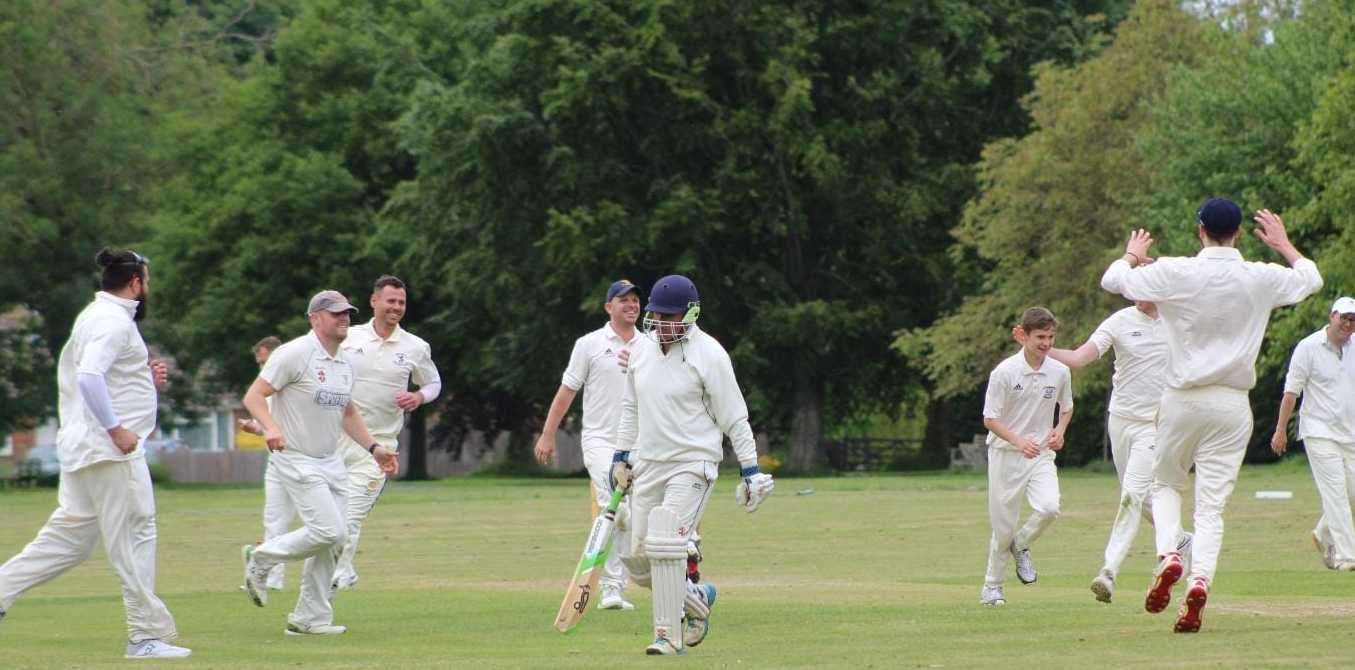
754,488
619,475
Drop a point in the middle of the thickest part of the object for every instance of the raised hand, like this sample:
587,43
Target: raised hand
1139,242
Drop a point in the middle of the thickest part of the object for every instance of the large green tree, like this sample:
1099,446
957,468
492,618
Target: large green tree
1056,203
81,91
798,160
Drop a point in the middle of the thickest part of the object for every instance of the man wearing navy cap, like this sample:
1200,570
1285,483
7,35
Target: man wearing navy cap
594,367
1214,307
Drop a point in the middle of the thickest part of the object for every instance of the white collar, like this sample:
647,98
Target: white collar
374,336
613,335
1220,253
320,346
129,305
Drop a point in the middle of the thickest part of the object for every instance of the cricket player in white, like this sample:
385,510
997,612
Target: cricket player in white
681,401
1140,346
594,367
1215,307
278,510
1018,411
385,358
1322,370
311,384
107,406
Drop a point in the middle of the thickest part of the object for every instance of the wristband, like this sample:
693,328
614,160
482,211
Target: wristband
1137,259
749,471
372,449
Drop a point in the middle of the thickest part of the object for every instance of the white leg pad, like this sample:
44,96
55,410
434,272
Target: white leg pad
667,552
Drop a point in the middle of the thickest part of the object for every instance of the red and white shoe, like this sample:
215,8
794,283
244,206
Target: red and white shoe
1189,620
1165,577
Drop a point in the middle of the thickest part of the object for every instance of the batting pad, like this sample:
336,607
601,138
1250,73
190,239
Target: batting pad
667,552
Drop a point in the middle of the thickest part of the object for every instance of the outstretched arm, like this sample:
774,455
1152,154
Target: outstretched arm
1080,357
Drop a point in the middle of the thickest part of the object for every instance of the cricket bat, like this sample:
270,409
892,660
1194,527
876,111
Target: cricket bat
579,594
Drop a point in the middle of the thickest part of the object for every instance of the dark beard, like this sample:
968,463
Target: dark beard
140,309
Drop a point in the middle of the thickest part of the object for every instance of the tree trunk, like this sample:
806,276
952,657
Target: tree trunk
806,428
940,435
417,468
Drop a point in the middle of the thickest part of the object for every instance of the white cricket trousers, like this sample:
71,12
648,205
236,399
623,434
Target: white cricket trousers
683,487
318,488
109,499
599,464
1206,427
1131,445
366,481
1333,465
278,513
1011,476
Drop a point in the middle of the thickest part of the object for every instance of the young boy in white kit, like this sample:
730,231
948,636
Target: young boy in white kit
1018,411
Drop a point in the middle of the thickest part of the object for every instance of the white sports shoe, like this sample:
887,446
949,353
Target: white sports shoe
664,647
694,629
155,649
318,629
992,595
1103,585
1025,566
613,599
256,581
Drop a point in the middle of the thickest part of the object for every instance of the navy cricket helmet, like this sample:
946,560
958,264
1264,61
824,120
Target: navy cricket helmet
672,295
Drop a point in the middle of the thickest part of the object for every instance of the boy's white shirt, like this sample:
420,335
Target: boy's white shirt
1327,383
1140,362
1213,330
593,368
679,406
1023,398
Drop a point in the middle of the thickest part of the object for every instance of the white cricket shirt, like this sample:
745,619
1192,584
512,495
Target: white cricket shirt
313,388
1215,307
1327,383
593,367
383,368
1140,362
1024,398
104,341
679,406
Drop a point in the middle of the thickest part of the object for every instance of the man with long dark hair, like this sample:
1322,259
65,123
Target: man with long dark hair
107,407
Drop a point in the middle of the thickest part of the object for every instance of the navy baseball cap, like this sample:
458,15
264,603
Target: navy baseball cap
1221,217
620,287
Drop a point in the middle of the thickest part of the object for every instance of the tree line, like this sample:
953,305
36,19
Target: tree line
866,193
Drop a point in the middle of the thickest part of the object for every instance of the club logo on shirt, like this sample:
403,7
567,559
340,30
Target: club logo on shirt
401,360
320,375
1048,392
1136,333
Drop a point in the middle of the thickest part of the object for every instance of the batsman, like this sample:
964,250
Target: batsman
681,400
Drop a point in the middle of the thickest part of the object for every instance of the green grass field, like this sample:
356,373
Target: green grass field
879,571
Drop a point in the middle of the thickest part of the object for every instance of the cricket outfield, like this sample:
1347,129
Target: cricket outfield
870,571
